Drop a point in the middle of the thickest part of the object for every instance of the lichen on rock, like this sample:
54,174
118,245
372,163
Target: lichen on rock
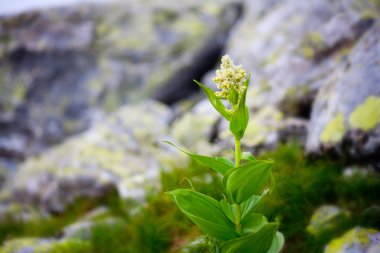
366,116
334,130
357,240
327,219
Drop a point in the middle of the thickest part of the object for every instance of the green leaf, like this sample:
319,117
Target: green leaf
240,114
250,203
277,244
253,222
242,182
218,105
247,156
205,212
258,242
219,164
229,210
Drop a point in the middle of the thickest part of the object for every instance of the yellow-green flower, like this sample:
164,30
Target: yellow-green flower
228,78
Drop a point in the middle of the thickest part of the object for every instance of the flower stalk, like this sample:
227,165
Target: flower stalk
229,221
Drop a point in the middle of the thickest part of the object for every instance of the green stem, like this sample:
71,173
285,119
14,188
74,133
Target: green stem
238,219
237,153
216,246
237,164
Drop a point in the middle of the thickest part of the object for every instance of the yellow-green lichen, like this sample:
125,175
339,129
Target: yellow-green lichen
308,52
356,236
325,219
312,44
316,39
334,130
367,115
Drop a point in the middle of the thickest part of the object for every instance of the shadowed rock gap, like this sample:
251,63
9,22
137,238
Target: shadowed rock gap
181,84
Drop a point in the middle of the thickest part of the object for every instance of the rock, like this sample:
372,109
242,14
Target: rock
62,70
4,173
125,152
293,47
199,244
327,219
196,128
82,230
96,214
357,240
295,50
346,116
263,129
16,213
355,172
34,245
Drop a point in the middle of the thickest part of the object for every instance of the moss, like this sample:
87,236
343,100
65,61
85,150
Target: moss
46,246
367,115
41,226
334,130
71,246
302,185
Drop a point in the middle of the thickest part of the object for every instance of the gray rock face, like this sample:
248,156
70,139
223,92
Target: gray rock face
314,60
62,70
125,152
290,47
82,230
346,113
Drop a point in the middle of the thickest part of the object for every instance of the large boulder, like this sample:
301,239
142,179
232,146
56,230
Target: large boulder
37,245
125,152
346,113
292,47
357,240
327,219
197,127
295,50
63,70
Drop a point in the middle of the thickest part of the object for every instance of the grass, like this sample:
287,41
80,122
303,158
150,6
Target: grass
302,185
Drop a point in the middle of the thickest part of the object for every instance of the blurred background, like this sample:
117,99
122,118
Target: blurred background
89,90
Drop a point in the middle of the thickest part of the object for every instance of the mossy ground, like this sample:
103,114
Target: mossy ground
302,185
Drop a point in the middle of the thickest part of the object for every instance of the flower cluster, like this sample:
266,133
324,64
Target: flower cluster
229,77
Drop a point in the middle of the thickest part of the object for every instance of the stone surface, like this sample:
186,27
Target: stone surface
196,128
345,114
126,151
292,47
62,70
357,240
16,213
82,230
296,50
327,219
262,131
34,245
198,244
